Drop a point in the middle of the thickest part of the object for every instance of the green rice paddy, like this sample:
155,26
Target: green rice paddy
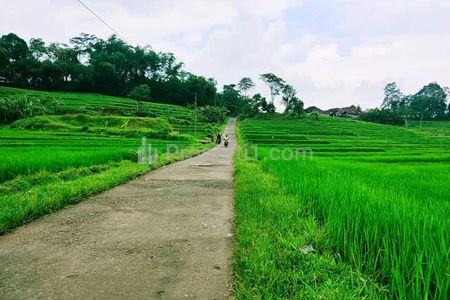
50,161
379,198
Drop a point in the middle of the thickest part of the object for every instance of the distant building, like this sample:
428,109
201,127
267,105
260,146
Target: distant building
312,109
351,112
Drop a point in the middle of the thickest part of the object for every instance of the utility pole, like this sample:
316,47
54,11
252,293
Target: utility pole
195,115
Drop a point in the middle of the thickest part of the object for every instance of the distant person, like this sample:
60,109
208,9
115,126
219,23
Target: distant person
211,136
219,139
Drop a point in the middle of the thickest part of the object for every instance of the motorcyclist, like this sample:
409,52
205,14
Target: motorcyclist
226,140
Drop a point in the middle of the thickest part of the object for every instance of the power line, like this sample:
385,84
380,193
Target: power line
100,19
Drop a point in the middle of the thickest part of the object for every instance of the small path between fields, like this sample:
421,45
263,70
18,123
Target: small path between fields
165,235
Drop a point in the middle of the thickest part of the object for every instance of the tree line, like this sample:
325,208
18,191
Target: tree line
113,67
91,64
236,98
430,103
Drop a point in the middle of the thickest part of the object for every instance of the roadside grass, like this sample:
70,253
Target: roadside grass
29,197
383,212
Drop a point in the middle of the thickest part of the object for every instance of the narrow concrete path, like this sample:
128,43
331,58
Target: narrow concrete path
166,235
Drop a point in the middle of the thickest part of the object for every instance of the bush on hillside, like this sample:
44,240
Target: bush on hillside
212,114
140,93
383,116
13,108
113,125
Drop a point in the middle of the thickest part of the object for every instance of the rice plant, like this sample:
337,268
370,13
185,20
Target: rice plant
380,192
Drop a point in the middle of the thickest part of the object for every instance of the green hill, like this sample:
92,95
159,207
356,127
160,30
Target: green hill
180,118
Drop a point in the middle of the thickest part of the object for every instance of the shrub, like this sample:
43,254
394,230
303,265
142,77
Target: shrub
383,116
140,93
19,107
212,114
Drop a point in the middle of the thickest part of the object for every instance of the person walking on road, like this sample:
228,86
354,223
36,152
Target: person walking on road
219,139
211,136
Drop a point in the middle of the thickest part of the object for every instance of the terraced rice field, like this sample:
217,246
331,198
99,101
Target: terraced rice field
42,171
51,161
375,199
27,152
181,118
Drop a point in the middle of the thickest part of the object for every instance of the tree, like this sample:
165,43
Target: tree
204,88
140,93
447,92
429,102
109,66
84,43
383,116
232,100
275,84
16,62
448,111
258,103
105,78
213,114
38,49
392,97
289,96
16,48
293,105
254,106
245,84
296,107
269,108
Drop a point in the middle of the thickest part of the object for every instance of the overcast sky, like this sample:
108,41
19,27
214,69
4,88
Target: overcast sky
334,52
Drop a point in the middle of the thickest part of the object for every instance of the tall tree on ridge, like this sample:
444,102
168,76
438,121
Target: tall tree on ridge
392,97
275,84
429,102
245,84
294,105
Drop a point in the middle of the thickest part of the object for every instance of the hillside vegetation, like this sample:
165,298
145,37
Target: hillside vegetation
181,119
54,157
107,66
374,197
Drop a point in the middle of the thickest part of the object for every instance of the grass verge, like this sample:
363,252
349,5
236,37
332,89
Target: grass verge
29,197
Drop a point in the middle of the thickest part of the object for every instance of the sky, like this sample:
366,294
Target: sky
334,52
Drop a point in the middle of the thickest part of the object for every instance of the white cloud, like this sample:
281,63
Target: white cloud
346,61
412,61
